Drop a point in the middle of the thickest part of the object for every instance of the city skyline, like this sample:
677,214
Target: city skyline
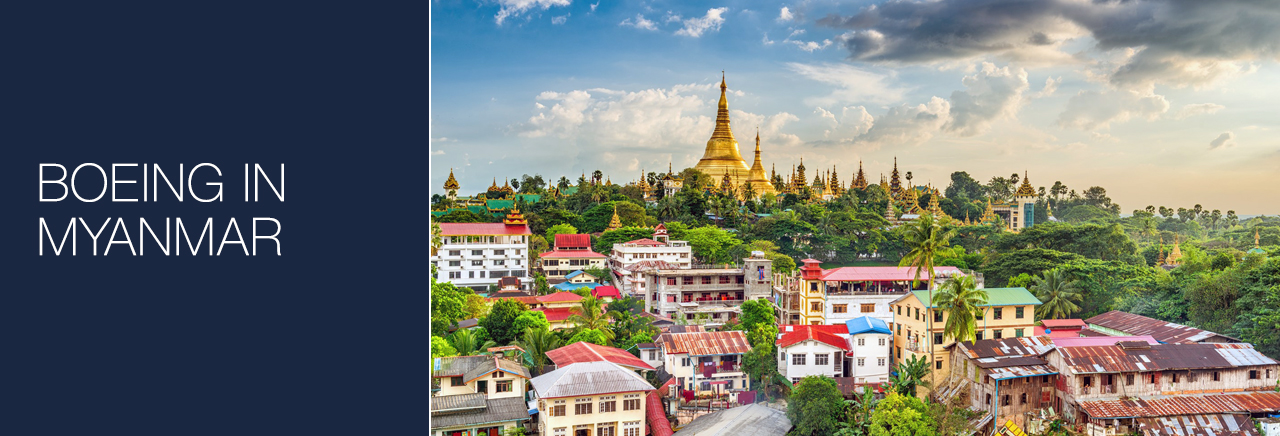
1164,104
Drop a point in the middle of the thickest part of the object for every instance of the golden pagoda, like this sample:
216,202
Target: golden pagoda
615,223
966,219
860,181
759,183
798,179
911,201
726,184
989,216
506,186
834,182
643,184
451,185
722,156
1025,190
1257,247
1160,259
934,208
515,218
1175,255
895,185
884,186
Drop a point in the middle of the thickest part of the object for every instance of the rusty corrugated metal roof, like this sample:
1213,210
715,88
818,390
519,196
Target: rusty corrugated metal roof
1254,402
1163,331
589,378
1008,372
705,343
1198,425
1033,346
1143,357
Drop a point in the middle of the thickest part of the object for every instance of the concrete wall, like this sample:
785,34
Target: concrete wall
548,424
868,346
518,386
810,349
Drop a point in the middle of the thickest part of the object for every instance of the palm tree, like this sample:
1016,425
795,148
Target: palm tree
590,316
909,374
668,207
926,239
536,343
1057,292
961,300
437,240
465,342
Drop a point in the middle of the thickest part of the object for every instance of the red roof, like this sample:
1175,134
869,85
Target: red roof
883,273
570,253
559,297
606,291
528,300
656,417
646,241
1163,331
1064,323
580,241
705,343
826,334
451,229
580,352
556,314
1256,402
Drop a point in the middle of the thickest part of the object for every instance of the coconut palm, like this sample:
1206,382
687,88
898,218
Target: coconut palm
466,343
590,316
961,300
1057,292
909,374
536,343
668,207
926,239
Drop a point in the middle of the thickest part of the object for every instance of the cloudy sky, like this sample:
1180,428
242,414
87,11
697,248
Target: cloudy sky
1168,103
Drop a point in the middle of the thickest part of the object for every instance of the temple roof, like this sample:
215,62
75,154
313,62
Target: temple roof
1025,189
451,183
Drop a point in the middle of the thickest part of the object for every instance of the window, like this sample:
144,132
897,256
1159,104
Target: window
471,274
456,381
1018,312
1150,378
560,431
477,263
1128,379
981,313
988,399
724,280
482,386
795,380
671,281
839,308
606,429
798,359
862,361
977,336
899,310
880,361
1017,333
1088,381
1215,376
937,316
1006,400
1191,377
502,386
455,263
631,428
631,402
782,357
815,306
477,252
999,333
1174,377
653,355
1023,398
937,364
868,308
1253,374
557,409
499,252
455,252
687,281
881,342
684,361
582,406
917,314
998,313
499,262
457,274
862,342
517,252
608,404
706,280
937,339
823,359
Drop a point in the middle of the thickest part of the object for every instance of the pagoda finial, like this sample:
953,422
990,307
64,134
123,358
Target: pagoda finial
722,85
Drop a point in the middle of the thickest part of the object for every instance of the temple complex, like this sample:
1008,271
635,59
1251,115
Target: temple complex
722,159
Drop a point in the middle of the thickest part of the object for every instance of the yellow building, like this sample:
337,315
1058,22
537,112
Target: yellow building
591,399
722,158
477,395
1008,313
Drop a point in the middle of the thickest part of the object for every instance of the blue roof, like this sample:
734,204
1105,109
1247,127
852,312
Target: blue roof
866,324
566,286
573,274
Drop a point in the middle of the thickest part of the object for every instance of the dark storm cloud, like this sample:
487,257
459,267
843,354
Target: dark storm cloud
1183,42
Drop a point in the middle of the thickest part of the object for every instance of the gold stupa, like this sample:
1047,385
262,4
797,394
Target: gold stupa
722,156
760,184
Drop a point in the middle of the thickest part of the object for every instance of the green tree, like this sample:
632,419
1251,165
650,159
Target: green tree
814,407
910,375
604,243
961,301
1022,280
536,343
447,306
589,315
901,415
501,318
466,343
560,229
441,348
461,216
925,239
530,320
437,240
756,313
595,336
475,306
711,244
1057,292
540,284
1031,261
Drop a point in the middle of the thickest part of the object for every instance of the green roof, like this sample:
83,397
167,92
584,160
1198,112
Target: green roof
995,297
478,210
569,190
529,198
500,204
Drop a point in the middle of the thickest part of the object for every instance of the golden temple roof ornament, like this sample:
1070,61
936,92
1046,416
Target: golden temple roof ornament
1025,190
452,183
895,184
514,218
989,216
615,223
494,186
1175,255
860,181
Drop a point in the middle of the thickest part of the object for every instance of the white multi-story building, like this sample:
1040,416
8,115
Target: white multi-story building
630,260
705,361
476,255
858,349
717,292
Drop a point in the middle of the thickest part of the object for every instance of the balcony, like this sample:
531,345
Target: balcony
718,367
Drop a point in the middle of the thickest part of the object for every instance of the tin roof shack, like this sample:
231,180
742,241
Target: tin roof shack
479,395
1004,377
1138,369
1117,323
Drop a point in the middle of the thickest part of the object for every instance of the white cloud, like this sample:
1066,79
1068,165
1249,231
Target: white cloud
785,15
1225,140
991,94
639,23
1192,110
810,46
672,17
766,39
854,121
515,8
561,19
437,153
695,27
908,125
796,33
771,137
1050,86
854,85
594,6
1089,110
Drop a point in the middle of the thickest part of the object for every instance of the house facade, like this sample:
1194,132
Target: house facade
477,395
833,296
1005,378
570,253
591,399
477,255
630,260
716,292
705,361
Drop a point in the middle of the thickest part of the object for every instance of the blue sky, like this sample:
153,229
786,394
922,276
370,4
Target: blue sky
1168,103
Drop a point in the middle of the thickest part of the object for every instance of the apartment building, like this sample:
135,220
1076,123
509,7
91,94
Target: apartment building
832,296
477,395
716,292
857,349
477,255
705,361
591,399
569,254
1008,313
631,261
1005,378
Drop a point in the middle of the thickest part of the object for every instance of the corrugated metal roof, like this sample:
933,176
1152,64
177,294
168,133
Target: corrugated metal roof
995,297
750,420
1019,371
450,403
803,333
570,254
589,378
573,241
867,324
655,417
559,297
580,352
1032,346
1255,402
1163,331
705,343
1117,358
1198,425
1091,341
496,410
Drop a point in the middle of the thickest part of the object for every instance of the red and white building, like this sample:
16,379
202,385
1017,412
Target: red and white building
630,260
570,253
476,255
